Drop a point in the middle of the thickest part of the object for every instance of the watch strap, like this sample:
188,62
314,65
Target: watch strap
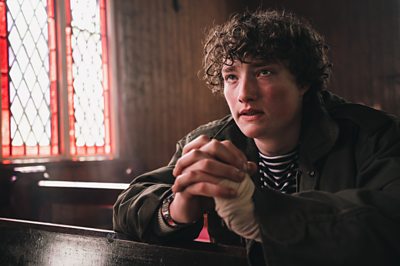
166,215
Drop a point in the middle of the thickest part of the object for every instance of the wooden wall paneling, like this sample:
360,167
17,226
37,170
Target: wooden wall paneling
364,37
159,56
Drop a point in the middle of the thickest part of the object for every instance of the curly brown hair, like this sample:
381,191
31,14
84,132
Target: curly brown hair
276,36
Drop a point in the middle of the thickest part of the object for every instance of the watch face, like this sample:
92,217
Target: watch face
165,211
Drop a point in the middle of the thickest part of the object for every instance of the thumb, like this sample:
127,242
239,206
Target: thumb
251,168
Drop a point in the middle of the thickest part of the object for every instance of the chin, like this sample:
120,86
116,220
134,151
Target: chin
251,131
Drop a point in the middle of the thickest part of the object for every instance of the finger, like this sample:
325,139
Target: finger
211,190
251,168
209,171
188,159
225,152
197,143
187,179
216,168
238,154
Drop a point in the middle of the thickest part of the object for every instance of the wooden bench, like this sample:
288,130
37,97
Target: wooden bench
34,243
63,193
31,193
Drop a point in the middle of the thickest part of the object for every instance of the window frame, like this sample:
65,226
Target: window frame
63,107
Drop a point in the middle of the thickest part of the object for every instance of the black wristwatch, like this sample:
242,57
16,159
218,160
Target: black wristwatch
166,214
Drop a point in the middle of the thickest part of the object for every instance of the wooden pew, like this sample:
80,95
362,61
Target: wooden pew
63,193
30,193
33,243
77,202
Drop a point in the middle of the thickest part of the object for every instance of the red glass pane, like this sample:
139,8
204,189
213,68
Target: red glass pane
81,150
68,12
100,150
50,8
45,150
4,94
5,150
106,85
54,120
52,33
53,82
91,150
18,150
32,150
3,19
70,92
54,150
5,116
5,112
54,137
3,55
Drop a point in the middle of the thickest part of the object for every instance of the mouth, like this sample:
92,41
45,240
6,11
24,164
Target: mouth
250,114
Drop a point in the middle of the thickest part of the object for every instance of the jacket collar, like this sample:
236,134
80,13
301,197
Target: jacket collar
319,132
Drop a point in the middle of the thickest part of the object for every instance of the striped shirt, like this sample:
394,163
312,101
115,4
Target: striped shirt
279,172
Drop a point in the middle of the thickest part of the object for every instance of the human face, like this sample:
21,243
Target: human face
264,100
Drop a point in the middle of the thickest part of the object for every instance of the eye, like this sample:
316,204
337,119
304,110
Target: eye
265,73
230,77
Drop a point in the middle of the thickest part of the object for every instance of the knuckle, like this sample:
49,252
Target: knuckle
180,179
178,182
196,152
203,138
186,149
206,163
213,147
227,142
214,142
202,187
177,169
178,161
193,175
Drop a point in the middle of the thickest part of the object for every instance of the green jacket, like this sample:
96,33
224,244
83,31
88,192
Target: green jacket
346,210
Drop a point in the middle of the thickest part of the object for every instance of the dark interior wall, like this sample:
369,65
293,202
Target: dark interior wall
159,51
364,36
159,54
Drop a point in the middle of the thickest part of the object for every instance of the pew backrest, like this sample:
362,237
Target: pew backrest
34,243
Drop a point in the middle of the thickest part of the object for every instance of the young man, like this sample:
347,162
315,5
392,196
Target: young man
303,176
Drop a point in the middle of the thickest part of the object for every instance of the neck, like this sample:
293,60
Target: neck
272,148
280,144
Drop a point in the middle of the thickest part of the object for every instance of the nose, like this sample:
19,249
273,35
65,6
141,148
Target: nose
247,89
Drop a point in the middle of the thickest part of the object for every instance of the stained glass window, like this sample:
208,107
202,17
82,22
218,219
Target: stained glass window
30,67
87,82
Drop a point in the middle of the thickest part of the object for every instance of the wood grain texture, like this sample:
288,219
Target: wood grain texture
159,54
32,243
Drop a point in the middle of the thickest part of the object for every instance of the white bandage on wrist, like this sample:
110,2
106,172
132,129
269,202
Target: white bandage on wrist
238,213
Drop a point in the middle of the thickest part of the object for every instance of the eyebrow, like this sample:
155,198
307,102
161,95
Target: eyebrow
261,64
254,64
264,63
229,69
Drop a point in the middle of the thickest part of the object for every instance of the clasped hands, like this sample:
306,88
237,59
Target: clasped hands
212,172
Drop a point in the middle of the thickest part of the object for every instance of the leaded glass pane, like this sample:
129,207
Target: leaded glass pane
87,72
29,68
